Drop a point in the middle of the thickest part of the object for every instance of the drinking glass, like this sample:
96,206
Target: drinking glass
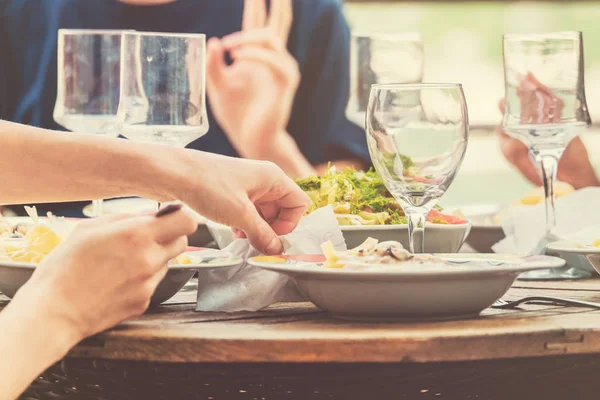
162,88
417,136
545,108
88,83
381,57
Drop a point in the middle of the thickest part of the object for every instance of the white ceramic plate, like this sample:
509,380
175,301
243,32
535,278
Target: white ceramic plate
122,206
485,232
200,238
439,238
13,275
131,205
460,290
586,258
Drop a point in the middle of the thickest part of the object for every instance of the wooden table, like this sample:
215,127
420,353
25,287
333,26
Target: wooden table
295,351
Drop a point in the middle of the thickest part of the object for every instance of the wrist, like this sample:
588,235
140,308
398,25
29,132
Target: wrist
36,318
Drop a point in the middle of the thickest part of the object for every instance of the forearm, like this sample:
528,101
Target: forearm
284,152
39,165
30,342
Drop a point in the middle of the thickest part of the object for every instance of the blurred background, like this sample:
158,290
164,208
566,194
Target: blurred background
463,43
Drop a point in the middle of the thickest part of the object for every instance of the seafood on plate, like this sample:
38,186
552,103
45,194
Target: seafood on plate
371,251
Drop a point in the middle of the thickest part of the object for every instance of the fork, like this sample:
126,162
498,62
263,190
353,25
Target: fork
504,304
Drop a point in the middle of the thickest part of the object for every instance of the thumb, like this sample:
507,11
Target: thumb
260,234
501,105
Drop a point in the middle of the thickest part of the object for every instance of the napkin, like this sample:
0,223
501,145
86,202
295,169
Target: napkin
577,220
249,288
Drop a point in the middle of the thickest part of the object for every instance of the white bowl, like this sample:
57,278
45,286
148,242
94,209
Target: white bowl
439,238
460,290
582,258
485,232
13,275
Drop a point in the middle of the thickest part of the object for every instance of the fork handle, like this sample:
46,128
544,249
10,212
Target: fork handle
560,300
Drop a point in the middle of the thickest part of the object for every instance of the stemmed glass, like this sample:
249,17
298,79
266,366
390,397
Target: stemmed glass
417,136
381,57
162,88
88,83
545,108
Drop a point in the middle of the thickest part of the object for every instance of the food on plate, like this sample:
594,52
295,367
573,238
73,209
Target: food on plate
371,251
361,198
535,197
31,242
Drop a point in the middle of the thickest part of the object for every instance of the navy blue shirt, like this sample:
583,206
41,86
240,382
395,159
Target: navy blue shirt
319,41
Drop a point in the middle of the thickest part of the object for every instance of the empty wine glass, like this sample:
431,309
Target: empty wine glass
545,108
163,88
381,57
417,136
88,83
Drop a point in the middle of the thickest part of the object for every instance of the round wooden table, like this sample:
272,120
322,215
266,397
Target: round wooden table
295,351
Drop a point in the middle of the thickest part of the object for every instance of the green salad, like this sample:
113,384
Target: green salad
359,198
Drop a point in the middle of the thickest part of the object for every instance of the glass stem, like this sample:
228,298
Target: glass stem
548,159
416,229
97,208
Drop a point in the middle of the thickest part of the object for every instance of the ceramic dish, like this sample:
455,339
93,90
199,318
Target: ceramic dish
462,289
14,275
585,258
485,232
439,238
200,238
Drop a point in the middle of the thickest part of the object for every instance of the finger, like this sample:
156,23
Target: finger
280,18
259,37
293,207
501,105
255,14
215,63
279,65
261,236
173,249
168,228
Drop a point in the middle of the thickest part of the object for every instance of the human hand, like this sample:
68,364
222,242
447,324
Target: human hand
574,166
105,272
539,104
254,197
252,98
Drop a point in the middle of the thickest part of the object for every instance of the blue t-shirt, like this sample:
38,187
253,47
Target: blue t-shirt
319,41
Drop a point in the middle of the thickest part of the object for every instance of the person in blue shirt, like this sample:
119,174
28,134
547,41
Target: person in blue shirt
277,73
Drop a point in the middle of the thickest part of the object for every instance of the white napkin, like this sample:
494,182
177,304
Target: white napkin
577,219
249,288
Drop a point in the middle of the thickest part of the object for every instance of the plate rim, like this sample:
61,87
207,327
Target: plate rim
559,246
300,268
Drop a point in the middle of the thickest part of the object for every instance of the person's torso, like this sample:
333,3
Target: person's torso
31,36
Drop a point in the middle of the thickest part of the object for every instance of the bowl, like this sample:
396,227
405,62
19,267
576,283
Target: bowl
439,238
463,288
13,275
485,232
584,258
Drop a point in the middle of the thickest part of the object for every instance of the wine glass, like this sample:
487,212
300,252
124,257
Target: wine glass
381,57
162,88
545,108
88,83
417,136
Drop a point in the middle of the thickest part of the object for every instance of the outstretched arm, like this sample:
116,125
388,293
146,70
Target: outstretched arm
256,197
